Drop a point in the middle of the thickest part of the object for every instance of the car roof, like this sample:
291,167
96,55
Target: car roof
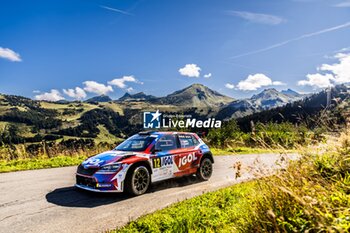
162,132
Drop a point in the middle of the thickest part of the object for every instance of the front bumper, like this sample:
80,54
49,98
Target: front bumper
97,183
96,190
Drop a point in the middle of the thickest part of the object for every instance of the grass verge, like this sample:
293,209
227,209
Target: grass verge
248,150
226,210
39,163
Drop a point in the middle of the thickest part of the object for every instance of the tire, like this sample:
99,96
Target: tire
137,180
205,170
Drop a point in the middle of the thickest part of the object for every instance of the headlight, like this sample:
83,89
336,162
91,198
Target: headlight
110,168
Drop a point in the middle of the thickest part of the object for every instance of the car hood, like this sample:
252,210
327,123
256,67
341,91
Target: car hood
106,158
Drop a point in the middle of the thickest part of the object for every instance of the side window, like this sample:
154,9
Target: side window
167,142
186,141
195,141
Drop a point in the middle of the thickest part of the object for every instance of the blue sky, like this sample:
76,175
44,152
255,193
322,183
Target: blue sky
85,48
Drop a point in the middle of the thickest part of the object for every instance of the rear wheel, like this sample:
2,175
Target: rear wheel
138,180
205,170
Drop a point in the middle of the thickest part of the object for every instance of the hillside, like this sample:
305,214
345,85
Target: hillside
23,120
30,129
101,98
137,97
270,98
267,99
311,110
291,92
197,96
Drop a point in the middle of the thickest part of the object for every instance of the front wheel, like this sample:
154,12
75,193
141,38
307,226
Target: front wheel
205,170
137,181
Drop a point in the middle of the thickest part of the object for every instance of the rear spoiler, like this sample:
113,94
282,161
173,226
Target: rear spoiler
147,132
202,134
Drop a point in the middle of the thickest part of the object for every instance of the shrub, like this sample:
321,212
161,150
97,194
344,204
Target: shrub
312,195
269,135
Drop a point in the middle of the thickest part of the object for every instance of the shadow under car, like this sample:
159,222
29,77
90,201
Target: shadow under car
75,197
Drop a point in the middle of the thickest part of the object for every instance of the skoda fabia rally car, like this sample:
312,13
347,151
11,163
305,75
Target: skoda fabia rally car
145,158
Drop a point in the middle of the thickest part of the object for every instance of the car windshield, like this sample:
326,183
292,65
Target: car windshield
136,143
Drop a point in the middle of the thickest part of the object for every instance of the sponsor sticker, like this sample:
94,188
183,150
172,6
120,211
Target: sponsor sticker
159,162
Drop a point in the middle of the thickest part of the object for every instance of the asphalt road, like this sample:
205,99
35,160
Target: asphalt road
46,200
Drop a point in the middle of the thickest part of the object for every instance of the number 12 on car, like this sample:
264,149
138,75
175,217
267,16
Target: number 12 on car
162,161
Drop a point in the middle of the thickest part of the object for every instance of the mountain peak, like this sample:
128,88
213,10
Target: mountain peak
197,95
137,97
100,98
196,85
126,95
270,90
290,92
267,99
267,94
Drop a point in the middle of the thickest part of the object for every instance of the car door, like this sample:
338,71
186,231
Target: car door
188,157
162,159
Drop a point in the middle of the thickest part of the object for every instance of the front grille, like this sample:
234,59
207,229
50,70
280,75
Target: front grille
86,171
86,181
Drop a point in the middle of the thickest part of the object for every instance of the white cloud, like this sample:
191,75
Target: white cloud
207,75
278,83
97,88
229,86
343,4
317,80
78,93
130,89
36,91
255,81
9,54
346,49
341,70
120,82
53,95
190,70
257,17
330,74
